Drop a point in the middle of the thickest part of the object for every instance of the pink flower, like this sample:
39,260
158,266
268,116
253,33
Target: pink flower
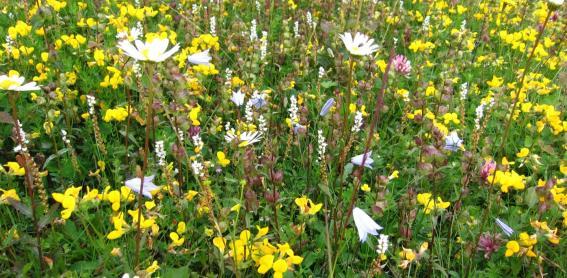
489,244
401,65
487,168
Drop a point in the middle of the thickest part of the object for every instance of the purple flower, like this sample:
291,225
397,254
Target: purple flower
488,244
401,65
326,107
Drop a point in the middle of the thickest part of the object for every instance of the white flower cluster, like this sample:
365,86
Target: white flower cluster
383,244
197,142
181,135
227,76
195,9
264,46
253,34
425,25
262,125
358,120
64,137
293,110
213,25
137,69
9,43
160,153
310,21
91,102
321,72
322,146
464,91
248,112
296,29
197,168
479,111
21,147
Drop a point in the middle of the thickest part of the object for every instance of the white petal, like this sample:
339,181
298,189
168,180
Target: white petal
200,58
168,53
364,224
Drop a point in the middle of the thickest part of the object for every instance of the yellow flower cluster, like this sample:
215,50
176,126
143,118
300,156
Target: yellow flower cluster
265,256
420,46
73,41
508,179
429,204
114,80
523,246
551,117
205,69
20,29
70,198
118,114
543,229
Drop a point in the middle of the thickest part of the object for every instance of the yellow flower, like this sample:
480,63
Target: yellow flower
451,117
512,247
429,204
266,263
176,240
194,115
523,153
152,268
15,169
181,227
223,161
365,188
118,114
98,56
190,195
495,82
68,200
220,243
235,208
280,267
306,206
8,194
507,180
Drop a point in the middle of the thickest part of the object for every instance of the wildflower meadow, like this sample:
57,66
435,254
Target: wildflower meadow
283,138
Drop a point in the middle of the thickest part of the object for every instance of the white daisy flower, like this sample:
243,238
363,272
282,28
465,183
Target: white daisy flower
154,50
14,82
360,45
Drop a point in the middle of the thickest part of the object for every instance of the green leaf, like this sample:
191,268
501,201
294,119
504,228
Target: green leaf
53,156
176,272
531,197
328,84
347,171
20,207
